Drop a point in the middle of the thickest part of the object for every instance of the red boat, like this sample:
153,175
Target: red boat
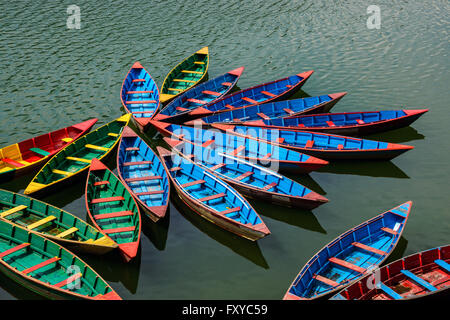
421,275
28,155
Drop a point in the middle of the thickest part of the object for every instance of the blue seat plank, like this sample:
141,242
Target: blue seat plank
389,291
418,280
443,264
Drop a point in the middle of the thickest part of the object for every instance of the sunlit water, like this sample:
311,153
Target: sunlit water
53,77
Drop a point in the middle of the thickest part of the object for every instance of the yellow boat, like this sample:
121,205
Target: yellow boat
185,75
75,159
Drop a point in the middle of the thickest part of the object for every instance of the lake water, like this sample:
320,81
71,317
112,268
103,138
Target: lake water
53,77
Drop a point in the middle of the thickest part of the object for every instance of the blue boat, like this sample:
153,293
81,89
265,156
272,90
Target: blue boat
263,93
274,110
140,95
321,145
212,198
207,92
349,123
240,147
421,275
351,256
250,179
141,170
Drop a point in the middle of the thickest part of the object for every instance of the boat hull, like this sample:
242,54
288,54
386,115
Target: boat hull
351,256
5,176
39,188
247,233
160,210
413,277
247,94
275,198
350,130
387,152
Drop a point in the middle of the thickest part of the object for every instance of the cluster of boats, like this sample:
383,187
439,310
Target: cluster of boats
221,146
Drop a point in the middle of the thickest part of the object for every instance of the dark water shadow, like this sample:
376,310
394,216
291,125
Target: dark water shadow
299,94
112,268
245,248
385,169
17,184
297,217
401,135
399,251
156,232
67,194
307,181
17,291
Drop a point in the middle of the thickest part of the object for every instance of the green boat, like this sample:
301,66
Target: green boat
185,75
48,269
76,158
53,223
112,209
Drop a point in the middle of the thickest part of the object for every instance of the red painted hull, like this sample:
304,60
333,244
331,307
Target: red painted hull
24,146
420,264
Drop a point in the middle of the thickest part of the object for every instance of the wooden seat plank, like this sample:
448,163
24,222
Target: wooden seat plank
144,178
41,265
119,230
14,249
368,248
347,265
325,280
212,197
108,199
113,215
192,183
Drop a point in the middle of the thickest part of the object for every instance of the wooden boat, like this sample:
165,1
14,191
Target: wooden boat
53,223
350,256
141,170
185,75
264,112
140,95
46,268
112,209
75,159
420,275
323,145
248,178
212,198
349,123
263,93
23,157
209,92
240,147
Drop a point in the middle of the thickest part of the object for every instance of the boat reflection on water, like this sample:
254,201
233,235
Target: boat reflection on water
398,136
382,169
301,218
245,248
112,268
156,232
